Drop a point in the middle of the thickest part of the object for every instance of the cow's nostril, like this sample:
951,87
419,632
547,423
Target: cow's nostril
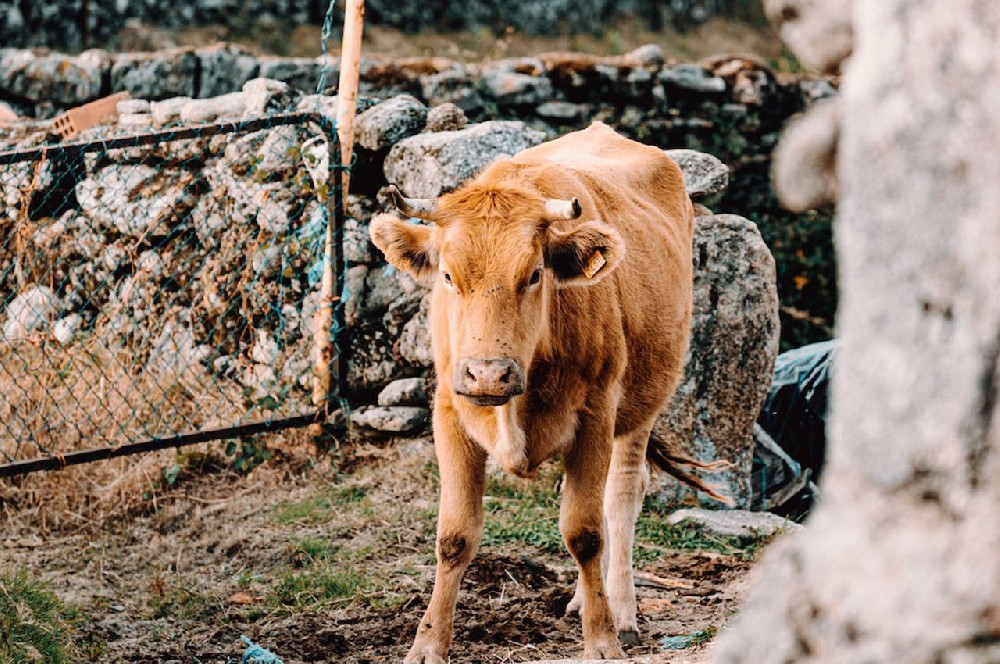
505,376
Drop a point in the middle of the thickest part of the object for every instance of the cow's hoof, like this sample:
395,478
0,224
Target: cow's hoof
605,650
575,606
628,637
424,658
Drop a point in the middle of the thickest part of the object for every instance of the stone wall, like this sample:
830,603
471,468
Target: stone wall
78,24
729,107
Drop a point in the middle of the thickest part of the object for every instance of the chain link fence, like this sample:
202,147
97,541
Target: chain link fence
160,288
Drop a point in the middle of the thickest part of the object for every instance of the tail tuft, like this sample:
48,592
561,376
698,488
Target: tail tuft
678,465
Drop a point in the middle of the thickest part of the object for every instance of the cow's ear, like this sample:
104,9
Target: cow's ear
585,254
409,247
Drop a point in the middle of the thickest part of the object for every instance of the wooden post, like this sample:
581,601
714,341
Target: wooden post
347,93
347,89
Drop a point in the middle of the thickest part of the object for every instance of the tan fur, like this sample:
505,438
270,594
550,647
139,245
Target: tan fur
602,357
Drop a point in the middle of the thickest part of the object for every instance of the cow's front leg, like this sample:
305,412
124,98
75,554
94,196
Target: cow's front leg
462,468
582,524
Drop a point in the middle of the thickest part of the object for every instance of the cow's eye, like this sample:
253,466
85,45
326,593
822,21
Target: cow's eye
536,276
447,279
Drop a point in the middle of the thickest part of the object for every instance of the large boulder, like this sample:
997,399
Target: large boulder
427,165
54,77
730,360
389,122
704,174
159,75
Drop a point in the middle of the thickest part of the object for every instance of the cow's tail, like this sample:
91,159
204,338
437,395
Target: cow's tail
679,465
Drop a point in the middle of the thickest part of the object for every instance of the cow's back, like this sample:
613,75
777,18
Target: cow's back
639,191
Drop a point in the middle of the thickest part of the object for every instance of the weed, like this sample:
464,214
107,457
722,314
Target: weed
33,626
176,599
523,512
324,506
315,588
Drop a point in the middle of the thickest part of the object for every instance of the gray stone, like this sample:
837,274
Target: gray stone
730,360
393,419
224,69
156,75
692,77
704,174
135,199
446,117
135,120
167,110
561,110
414,344
58,78
354,285
66,328
427,165
133,106
265,94
371,364
301,73
735,523
451,87
404,392
357,246
204,110
29,311
645,55
390,121
514,89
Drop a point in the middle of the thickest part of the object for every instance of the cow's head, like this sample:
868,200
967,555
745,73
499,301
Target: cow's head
497,254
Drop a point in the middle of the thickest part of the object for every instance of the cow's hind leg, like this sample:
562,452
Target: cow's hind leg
581,521
462,467
628,479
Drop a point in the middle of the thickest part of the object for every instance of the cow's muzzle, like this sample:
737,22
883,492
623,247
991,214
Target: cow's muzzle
489,382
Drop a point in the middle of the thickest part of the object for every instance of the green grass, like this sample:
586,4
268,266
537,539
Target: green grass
527,512
322,508
33,624
654,536
177,599
523,512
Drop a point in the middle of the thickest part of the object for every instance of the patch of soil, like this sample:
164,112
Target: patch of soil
182,583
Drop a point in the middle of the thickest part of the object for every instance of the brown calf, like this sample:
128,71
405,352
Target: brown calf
560,315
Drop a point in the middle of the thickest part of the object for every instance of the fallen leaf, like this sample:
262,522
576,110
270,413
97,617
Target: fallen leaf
243,598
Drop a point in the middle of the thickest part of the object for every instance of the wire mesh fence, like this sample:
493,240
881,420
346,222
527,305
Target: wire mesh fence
159,288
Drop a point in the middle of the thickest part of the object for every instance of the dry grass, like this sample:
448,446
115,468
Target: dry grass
58,399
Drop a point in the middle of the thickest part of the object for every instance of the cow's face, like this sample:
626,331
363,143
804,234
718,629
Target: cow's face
497,259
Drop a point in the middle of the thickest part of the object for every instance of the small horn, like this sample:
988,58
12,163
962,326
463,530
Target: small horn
421,208
557,208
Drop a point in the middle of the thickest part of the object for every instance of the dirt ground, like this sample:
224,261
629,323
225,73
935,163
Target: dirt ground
318,565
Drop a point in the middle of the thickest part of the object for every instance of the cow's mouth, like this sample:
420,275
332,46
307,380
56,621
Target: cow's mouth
487,399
